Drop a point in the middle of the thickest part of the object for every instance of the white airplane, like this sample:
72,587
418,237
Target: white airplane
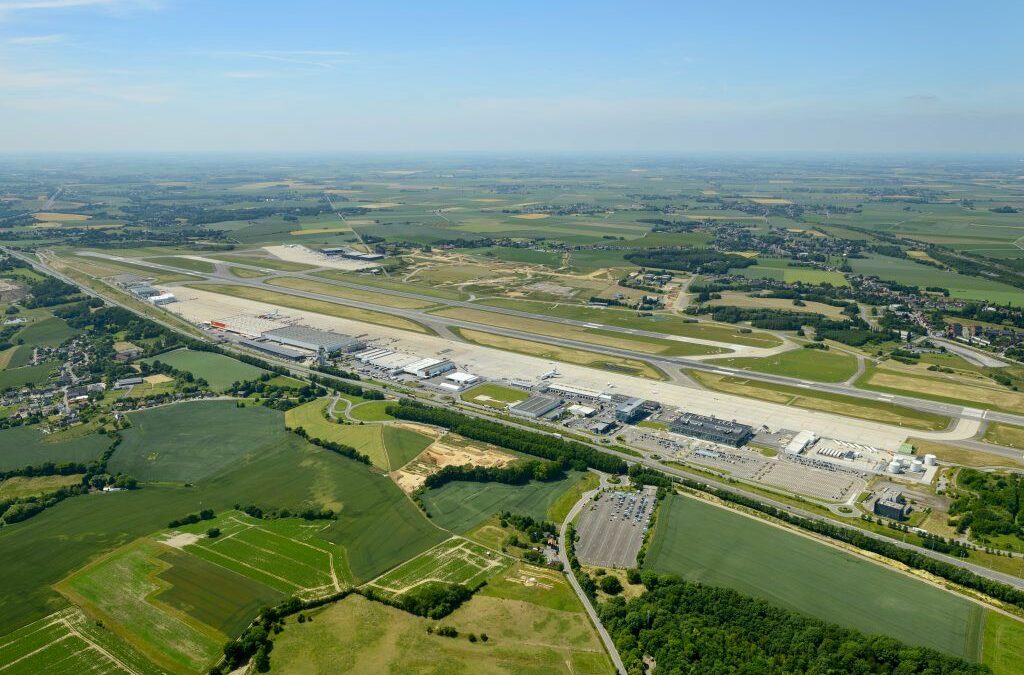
550,374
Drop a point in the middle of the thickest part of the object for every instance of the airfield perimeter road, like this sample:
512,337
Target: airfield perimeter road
630,459
669,365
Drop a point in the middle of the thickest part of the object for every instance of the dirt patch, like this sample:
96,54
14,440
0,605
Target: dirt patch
532,216
447,452
157,379
180,539
59,217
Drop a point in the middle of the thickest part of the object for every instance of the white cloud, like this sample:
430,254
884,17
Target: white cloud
31,40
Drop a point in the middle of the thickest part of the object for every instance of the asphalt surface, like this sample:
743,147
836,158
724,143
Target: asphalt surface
670,366
611,531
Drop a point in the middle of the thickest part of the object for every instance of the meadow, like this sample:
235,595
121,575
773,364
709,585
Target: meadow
494,396
712,545
49,332
915,274
971,392
785,270
461,506
13,378
218,370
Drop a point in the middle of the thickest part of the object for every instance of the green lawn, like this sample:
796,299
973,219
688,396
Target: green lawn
22,446
374,411
186,442
716,546
805,364
219,370
461,506
184,263
494,396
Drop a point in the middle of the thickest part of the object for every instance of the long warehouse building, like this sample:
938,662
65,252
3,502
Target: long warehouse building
711,429
313,339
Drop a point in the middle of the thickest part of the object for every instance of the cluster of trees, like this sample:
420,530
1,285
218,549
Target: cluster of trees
854,331
434,600
192,518
518,473
535,530
690,628
277,396
989,504
568,453
344,387
908,557
307,513
689,259
49,292
339,448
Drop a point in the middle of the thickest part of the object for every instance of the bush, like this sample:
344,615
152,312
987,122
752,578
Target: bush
611,585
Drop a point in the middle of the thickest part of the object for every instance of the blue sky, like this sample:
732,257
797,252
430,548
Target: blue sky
135,75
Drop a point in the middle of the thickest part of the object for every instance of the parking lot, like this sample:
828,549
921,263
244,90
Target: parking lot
611,530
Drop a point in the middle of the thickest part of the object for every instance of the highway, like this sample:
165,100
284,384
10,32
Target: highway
630,459
669,365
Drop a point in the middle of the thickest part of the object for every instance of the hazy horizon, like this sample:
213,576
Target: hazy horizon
596,78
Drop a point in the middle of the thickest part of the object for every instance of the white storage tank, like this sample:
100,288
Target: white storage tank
917,466
930,460
895,467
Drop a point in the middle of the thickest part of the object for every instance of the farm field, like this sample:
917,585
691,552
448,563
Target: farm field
915,274
1003,646
659,323
122,590
460,506
372,411
219,370
325,288
24,446
359,636
68,642
284,554
455,561
22,486
617,364
734,299
187,442
783,270
315,306
823,401
712,545
12,378
644,344
494,396
50,332
807,364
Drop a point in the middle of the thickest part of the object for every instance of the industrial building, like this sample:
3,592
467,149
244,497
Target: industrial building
462,379
801,442
711,429
274,349
163,299
247,325
891,504
313,339
577,393
144,291
351,254
631,410
536,407
428,367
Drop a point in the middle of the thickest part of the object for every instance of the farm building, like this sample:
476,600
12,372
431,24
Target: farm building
274,349
711,429
535,407
313,339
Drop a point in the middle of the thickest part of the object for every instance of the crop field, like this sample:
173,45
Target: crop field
455,561
219,370
22,486
315,306
915,274
51,332
24,446
1003,647
669,324
190,441
403,444
12,378
806,364
460,506
615,364
287,555
120,589
879,411
68,642
736,299
716,546
494,396
373,411
781,270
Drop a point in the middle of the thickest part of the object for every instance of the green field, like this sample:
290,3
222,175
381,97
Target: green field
186,442
268,263
51,332
13,378
455,561
23,486
184,263
68,642
805,364
916,274
219,370
1003,649
461,506
23,446
286,554
782,270
403,444
494,396
122,588
374,411
716,546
